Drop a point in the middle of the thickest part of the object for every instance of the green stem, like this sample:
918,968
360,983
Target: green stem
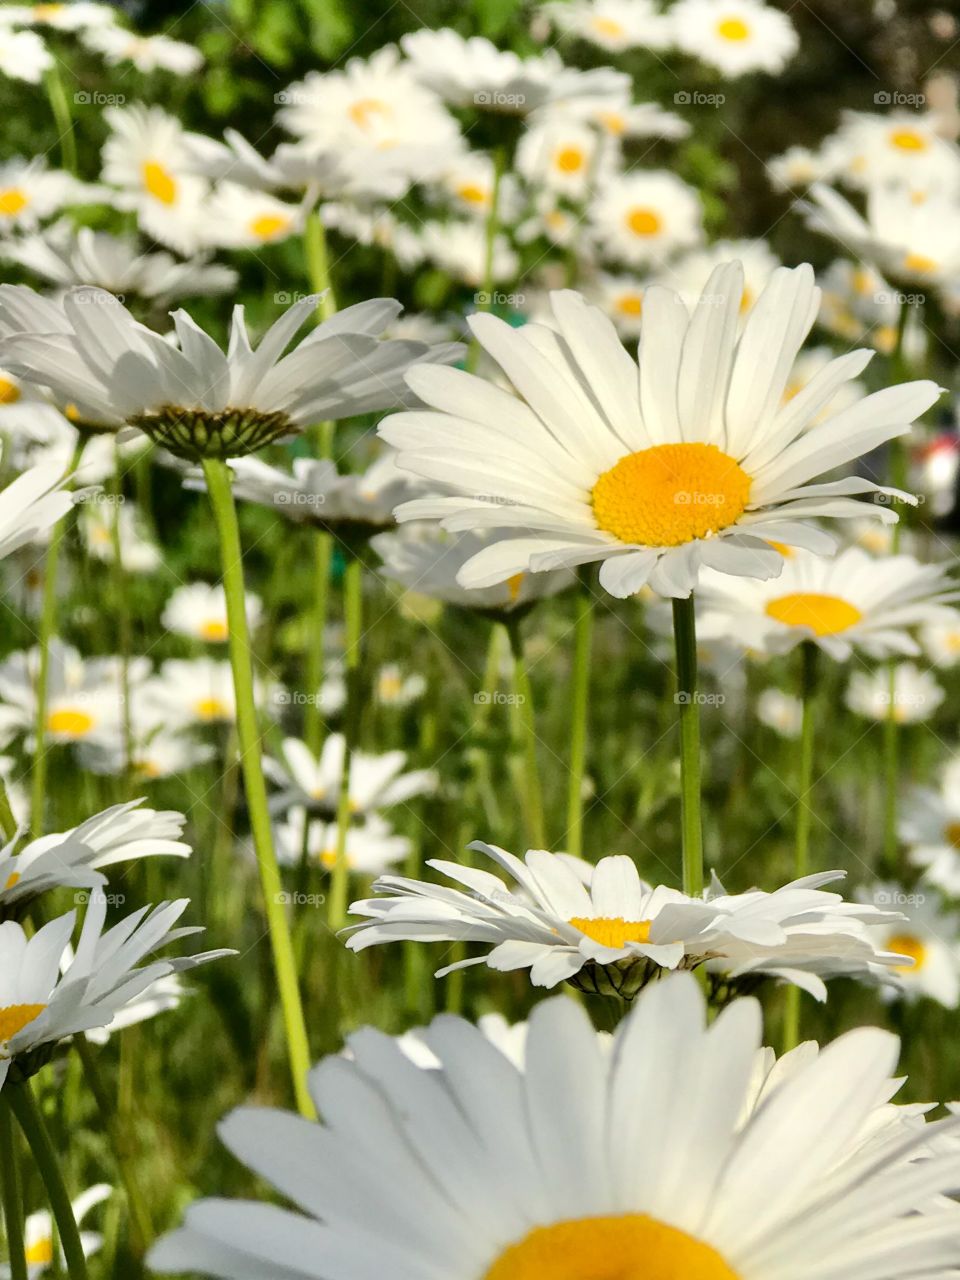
891,773
219,487
318,265
485,297
688,703
8,823
528,729
24,1106
809,657
322,564
124,633
580,695
10,1190
63,118
141,1227
353,620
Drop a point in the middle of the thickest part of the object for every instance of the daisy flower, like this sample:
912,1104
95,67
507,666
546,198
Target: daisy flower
376,781
614,25
83,695
38,1234
247,219
734,36
473,72
929,825
192,397
643,217
40,1006
31,505
690,274
621,298
459,247
698,462
155,752
196,691
619,117
198,610
23,55
563,155
393,688
941,642
928,940
796,169
73,15
30,193
670,1178
468,184
902,148
372,847
781,712
608,931
427,561
858,305
850,602
147,53
138,552
916,694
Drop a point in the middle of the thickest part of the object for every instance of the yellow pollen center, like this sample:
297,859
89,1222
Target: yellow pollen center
72,723
733,29
905,944
211,709
919,263
670,494
630,304
631,1246
612,121
908,140
42,11
13,201
214,629
612,931
12,881
472,193
269,225
825,615
14,1017
328,859
644,222
390,687
952,833
364,110
569,160
607,27
40,1253
159,182
782,547
9,391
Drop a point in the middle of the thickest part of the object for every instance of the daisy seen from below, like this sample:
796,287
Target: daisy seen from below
916,694
929,826
699,464
609,932
734,36
850,602
371,847
928,939
198,610
375,781
669,1179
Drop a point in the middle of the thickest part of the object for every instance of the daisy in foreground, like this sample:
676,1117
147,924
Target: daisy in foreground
698,463
589,1160
609,932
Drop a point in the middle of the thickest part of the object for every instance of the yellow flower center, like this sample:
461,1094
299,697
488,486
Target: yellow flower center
644,222
391,687
214,629
44,11
159,182
364,110
908,140
269,225
145,768
70,722
612,121
670,494
14,1017
211,709
612,931
607,27
472,193
9,391
13,201
919,263
12,881
863,282
782,547
514,586
825,615
951,831
40,1253
733,29
906,944
328,859
630,304
631,1246
569,160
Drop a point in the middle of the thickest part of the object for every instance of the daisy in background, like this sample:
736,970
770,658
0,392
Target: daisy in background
697,463
565,156
394,688
670,1178
375,782
23,55
198,610
928,940
139,553
609,932
929,825
621,298
847,603
40,1006
74,15
426,561
614,25
916,694
38,1234
31,193
83,694
858,305
156,751
796,169
619,117
459,247
162,996
147,53
246,219
690,274
197,691
734,37
941,642
903,149
642,218
781,712
372,847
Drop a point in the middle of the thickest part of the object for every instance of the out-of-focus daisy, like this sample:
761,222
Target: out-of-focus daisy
473,72
468,184
38,1234
30,193
734,36
563,155
689,274
915,694
31,505
377,227
39,1006
934,470
716,1189
941,642
156,752
781,712
376,781
808,364
147,53
796,169
372,846
614,25
66,256
247,219
191,396
550,219
392,687
509,1038
621,298
138,552
161,996
428,561
858,305
73,15
846,603
191,691
610,931
929,825
23,55
643,217
83,695
459,247
619,117
198,610
702,464
928,939
902,148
